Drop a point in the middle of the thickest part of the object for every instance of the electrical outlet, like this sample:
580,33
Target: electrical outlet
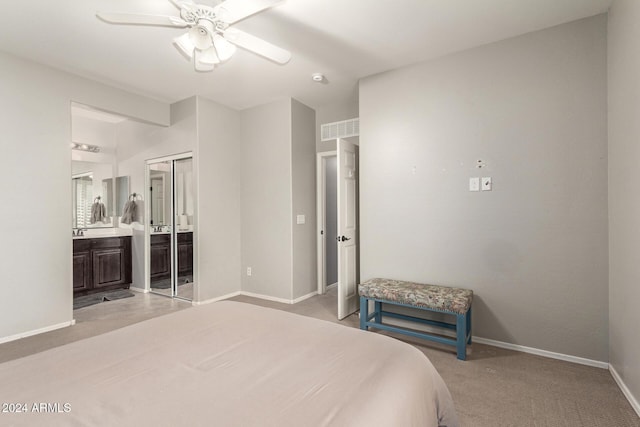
248,271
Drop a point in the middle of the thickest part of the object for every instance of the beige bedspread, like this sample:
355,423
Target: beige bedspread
227,364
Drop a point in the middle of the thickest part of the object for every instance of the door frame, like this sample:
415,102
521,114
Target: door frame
348,247
321,196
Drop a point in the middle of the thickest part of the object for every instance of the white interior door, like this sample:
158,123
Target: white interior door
347,228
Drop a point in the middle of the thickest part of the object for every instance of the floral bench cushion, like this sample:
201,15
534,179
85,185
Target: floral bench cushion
441,298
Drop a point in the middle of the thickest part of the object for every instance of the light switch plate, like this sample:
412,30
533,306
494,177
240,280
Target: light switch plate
300,219
486,183
474,184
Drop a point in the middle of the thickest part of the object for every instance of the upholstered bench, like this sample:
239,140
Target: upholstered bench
441,299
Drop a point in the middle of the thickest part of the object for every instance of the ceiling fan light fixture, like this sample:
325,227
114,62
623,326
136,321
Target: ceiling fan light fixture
224,49
184,45
207,57
202,66
209,40
201,34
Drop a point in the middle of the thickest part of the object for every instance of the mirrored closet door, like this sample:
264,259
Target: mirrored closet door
170,225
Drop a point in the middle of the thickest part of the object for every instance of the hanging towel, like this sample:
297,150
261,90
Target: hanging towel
130,212
98,212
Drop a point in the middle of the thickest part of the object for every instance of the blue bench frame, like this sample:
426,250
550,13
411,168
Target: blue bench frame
462,327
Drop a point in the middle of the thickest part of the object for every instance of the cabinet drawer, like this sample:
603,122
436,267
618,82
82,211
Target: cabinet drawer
185,237
106,242
159,239
81,245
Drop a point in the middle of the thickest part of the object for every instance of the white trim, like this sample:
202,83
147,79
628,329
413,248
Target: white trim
216,299
259,296
333,285
265,297
543,353
82,175
321,196
625,390
136,289
171,157
304,297
37,331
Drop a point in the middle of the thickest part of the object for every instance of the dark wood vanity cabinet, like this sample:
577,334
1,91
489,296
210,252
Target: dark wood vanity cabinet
161,255
185,253
101,264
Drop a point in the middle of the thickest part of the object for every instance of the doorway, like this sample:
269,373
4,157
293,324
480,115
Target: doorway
338,237
170,226
327,192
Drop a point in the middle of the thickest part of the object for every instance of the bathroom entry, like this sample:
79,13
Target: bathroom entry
170,226
338,237
327,221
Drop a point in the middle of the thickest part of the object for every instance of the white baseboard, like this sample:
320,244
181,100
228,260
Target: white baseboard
266,297
543,353
625,390
216,299
333,285
141,290
37,331
260,296
304,297
501,344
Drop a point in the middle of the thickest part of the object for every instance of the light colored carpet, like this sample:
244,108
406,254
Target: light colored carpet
493,388
496,387
95,320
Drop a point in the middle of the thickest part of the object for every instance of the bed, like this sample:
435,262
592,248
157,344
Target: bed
227,364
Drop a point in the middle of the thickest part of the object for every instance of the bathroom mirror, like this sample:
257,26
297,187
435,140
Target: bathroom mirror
92,194
171,207
160,187
122,193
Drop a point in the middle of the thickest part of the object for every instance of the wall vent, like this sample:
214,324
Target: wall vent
343,129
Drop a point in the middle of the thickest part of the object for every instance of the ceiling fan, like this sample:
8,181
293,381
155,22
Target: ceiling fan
211,39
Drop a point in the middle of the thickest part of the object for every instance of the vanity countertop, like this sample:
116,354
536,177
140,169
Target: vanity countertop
153,233
100,233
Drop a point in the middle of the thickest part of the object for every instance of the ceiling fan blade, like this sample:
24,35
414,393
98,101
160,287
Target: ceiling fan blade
179,3
257,45
232,11
136,19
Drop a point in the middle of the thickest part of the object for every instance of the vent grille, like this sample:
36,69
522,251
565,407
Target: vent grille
343,129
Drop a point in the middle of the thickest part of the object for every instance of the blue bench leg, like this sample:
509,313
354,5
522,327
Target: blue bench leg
364,313
461,335
469,330
378,311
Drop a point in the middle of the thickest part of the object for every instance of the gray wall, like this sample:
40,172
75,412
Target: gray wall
624,198
331,220
218,223
534,249
266,205
303,188
35,263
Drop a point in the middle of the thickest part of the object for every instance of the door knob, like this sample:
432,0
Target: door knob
342,238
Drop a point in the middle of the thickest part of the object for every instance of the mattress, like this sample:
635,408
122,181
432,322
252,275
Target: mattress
227,364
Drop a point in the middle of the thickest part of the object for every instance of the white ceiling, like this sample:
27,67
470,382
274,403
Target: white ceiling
344,39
